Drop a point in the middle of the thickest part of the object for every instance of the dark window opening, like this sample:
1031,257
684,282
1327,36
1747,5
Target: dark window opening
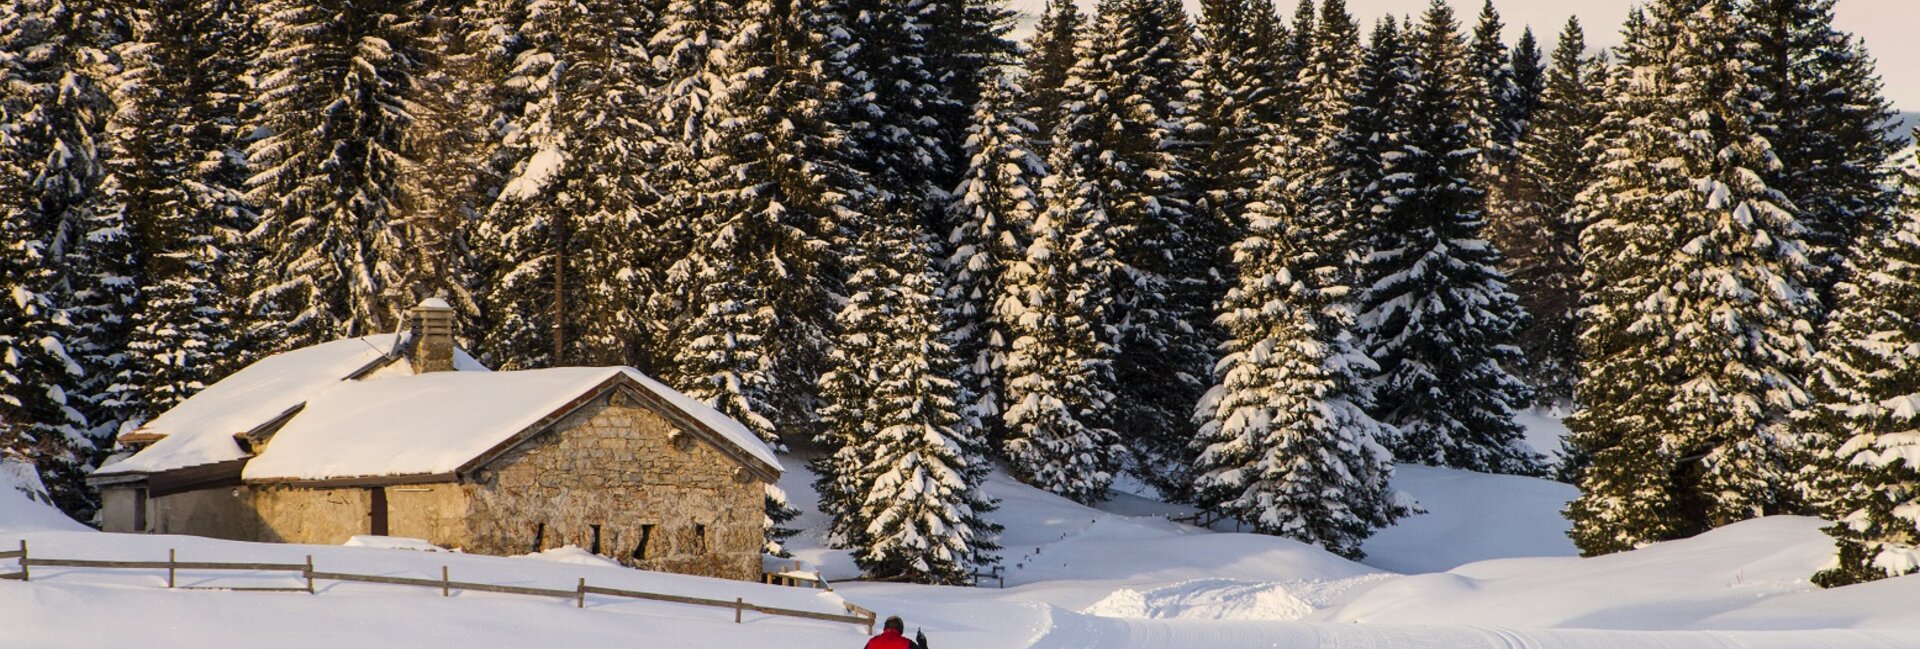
595,548
539,537
139,510
699,539
640,549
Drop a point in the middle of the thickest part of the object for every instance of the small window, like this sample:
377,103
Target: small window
699,539
640,549
539,537
595,548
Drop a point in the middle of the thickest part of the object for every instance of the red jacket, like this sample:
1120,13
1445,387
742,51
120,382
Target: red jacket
889,639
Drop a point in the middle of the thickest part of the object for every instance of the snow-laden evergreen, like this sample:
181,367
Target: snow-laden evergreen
1531,217
1494,95
754,335
169,173
1059,368
1698,297
907,463
1285,442
992,211
327,182
1865,417
51,114
1824,115
562,238
1049,59
1126,131
1438,317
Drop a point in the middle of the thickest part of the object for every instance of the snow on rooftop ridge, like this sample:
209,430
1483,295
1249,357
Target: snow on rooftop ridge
200,430
436,423
434,303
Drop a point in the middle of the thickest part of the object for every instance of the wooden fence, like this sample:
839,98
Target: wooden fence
578,594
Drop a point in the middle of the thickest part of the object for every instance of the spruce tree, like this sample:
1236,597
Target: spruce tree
1529,79
1863,415
1492,101
1049,60
775,189
1533,220
1286,443
336,79
993,208
908,464
51,112
1059,368
1826,119
1438,316
1126,130
571,257
1698,297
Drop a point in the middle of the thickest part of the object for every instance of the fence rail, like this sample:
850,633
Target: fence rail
578,594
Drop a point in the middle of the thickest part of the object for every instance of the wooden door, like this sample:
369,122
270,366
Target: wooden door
379,510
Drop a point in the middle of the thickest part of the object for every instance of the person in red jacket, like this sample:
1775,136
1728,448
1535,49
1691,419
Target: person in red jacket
894,636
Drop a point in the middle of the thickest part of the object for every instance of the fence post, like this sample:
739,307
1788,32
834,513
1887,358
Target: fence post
446,585
26,574
581,598
739,606
170,568
309,574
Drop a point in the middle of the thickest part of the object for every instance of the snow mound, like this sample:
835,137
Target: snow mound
1206,599
24,503
1742,576
572,554
392,543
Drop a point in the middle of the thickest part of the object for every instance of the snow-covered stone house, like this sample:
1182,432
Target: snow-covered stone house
406,435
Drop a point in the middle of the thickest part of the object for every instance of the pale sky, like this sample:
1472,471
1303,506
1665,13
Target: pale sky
1887,25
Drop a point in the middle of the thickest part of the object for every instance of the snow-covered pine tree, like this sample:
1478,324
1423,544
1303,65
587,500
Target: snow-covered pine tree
452,184
1864,415
336,84
1059,368
1529,79
776,189
1363,128
51,112
1126,129
893,107
992,210
1234,98
1826,118
1696,290
1331,48
1049,60
907,460
1286,443
174,178
1494,126
1438,317
557,234
966,42
1533,223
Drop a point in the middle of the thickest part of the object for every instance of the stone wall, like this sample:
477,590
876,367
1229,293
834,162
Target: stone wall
302,515
219,512
618,466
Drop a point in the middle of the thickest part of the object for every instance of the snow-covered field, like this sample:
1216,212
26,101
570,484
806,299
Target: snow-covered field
1497,572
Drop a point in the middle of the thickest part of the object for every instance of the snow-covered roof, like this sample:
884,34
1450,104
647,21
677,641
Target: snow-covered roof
200,430
437,423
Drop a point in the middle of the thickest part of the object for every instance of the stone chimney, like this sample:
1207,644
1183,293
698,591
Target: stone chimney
431,327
